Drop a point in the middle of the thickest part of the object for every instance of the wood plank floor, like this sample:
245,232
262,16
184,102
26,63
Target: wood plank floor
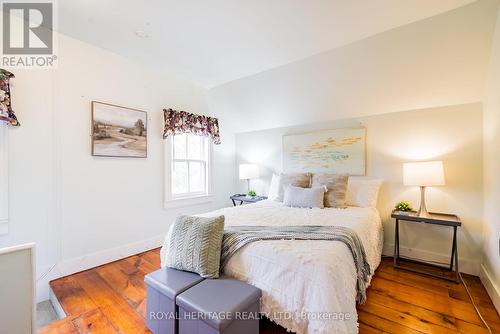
111,299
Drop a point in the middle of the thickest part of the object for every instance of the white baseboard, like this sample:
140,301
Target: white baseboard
56,305
465,265
491,287
71,266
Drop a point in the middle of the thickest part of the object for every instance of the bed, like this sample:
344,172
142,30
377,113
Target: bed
308,286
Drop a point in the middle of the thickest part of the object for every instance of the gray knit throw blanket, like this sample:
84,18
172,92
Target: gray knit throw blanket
236,237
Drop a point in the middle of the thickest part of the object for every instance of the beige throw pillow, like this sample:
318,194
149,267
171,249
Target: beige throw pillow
336,185
302,180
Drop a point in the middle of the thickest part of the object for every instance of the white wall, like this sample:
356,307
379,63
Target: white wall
31,167
491,276
429,134
4,179
82,210
109,202
439,61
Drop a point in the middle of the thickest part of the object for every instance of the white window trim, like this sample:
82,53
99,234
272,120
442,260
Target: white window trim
4,180
170,202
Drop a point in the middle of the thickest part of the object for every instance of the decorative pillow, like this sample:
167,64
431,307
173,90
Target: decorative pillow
363,192
304,197
195,245
164,248
336,185
302,180
274,188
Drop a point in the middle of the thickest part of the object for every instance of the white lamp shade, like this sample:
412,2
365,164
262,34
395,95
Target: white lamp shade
429,173
249,171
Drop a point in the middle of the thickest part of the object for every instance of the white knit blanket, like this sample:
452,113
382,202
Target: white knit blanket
308,286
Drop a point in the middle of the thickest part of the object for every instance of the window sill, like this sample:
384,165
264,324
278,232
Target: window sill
190,201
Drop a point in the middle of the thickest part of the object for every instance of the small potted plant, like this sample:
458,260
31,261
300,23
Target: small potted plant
251,193
403,208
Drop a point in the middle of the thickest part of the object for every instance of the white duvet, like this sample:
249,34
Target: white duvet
308,286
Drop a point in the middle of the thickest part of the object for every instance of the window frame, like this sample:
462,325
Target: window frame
4,179
193,198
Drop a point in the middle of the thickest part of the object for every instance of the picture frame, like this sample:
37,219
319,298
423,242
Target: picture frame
326,151
118,131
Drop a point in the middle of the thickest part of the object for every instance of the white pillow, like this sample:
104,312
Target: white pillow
298,197
274,188
362,192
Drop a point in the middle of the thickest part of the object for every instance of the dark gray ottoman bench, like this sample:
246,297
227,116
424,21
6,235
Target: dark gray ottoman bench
224,305
163,286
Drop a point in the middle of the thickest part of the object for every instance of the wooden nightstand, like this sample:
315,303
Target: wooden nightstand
433,219
242,198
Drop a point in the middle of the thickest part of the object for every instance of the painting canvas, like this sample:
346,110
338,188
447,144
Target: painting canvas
118,131
330,151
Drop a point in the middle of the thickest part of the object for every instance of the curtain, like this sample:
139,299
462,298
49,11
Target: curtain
184,122
6,112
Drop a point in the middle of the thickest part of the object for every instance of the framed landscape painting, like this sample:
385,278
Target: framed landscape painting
328,151
118,131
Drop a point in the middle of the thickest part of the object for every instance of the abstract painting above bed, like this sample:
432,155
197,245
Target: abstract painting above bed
328,151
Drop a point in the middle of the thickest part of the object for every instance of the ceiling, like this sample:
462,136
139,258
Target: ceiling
215,41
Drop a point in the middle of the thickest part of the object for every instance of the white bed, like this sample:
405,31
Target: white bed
298,278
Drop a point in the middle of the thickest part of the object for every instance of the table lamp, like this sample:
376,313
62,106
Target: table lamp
423,174
247,172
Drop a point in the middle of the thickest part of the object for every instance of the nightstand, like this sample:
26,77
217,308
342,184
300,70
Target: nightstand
242,198
433,219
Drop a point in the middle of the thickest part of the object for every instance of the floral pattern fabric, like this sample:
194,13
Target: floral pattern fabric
183,122
6,112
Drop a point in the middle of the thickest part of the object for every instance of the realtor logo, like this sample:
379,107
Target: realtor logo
28,34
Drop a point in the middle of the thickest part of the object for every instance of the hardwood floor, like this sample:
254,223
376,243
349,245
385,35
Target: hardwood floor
111,299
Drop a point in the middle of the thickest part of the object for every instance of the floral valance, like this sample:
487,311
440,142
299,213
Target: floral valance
6,112
184,122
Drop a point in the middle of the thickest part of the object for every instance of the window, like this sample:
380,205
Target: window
188,169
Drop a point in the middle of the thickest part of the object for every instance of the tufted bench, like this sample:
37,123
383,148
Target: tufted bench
219,306
163,286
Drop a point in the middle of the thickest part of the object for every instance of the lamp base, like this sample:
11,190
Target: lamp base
422,211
